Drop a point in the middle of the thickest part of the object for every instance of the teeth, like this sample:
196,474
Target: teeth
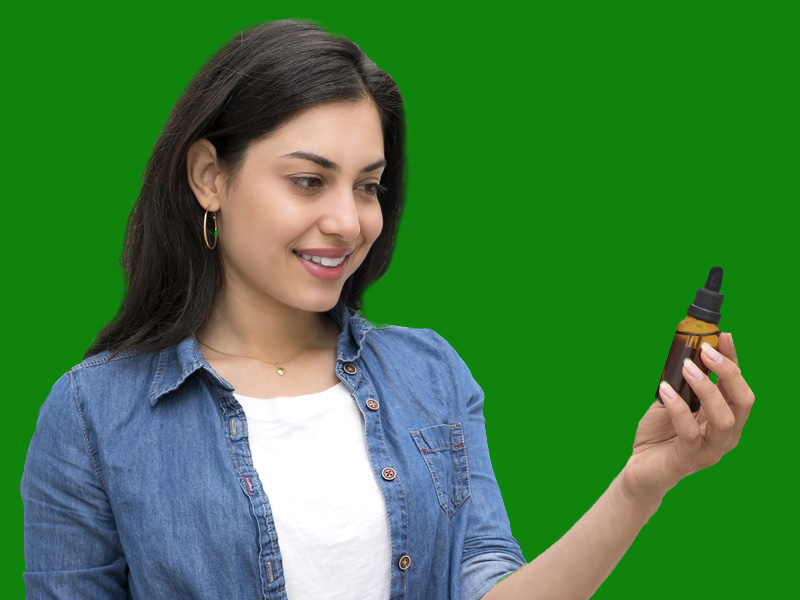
324,260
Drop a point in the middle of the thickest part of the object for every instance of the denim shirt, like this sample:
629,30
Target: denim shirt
139,482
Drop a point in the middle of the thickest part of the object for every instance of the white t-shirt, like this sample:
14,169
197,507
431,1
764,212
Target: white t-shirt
333,531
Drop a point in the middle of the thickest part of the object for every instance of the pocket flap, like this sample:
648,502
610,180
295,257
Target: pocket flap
442,448
437,437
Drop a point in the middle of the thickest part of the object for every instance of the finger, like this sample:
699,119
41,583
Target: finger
730,383
728,372
700,416
721,419
686,426
726,347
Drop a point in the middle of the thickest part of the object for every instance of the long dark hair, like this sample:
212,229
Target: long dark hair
262,78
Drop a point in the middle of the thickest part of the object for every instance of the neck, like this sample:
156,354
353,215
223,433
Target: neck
269,331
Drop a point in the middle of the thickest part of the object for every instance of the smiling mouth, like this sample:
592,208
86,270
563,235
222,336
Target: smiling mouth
330,263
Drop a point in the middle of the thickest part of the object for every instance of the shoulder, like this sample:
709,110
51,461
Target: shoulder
420,356
90,392
100,370
411,344
360,336
138,376
426,340
125,370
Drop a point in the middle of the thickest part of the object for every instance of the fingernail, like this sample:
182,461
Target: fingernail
730,337
711,352
665,391
692,368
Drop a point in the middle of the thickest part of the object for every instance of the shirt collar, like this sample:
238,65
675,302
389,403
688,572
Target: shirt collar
176,363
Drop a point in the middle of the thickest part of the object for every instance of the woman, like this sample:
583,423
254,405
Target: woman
239,431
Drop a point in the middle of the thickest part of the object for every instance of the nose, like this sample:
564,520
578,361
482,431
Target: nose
340,216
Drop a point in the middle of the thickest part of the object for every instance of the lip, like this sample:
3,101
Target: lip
325,273
326,252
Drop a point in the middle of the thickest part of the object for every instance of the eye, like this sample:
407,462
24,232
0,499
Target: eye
307,184
372,189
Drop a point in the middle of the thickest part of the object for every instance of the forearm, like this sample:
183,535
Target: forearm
575,566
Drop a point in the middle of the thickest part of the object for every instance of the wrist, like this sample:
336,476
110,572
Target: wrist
631,497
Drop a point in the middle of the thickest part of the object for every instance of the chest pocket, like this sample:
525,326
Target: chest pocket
442,447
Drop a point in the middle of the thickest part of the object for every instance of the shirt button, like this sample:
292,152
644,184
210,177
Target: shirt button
350,369
404,562
372,404
388,473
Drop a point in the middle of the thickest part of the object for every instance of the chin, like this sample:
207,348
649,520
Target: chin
320,303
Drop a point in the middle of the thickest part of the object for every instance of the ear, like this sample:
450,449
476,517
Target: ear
205,175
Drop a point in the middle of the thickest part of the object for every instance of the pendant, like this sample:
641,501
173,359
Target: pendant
280,371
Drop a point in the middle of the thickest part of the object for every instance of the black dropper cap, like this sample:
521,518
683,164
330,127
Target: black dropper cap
708,299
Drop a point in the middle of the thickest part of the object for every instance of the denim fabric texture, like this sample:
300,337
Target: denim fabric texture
139,481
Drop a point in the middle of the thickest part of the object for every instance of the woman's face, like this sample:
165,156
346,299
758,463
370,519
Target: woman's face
304,211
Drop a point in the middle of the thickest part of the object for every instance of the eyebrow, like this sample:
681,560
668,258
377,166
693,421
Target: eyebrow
329,164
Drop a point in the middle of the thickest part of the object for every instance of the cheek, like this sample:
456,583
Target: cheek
371,221
372,224
259,216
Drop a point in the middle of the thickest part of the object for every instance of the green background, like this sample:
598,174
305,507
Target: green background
574,171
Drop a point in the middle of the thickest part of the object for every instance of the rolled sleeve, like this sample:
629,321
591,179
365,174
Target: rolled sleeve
72,548
480,573
490,551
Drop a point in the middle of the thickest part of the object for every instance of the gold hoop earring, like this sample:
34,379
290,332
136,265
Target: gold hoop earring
205,228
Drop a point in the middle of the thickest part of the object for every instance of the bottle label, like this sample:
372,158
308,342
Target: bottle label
686,345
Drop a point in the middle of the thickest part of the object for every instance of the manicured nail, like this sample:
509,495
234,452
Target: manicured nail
665,391
693,369
711,352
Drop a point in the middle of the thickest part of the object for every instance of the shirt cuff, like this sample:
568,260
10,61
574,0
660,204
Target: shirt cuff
480,573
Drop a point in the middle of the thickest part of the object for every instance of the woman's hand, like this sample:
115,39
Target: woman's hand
672,443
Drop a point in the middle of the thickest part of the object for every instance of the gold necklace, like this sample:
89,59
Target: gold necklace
280,370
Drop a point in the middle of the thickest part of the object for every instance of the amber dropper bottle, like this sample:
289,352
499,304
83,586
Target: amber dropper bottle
700,326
